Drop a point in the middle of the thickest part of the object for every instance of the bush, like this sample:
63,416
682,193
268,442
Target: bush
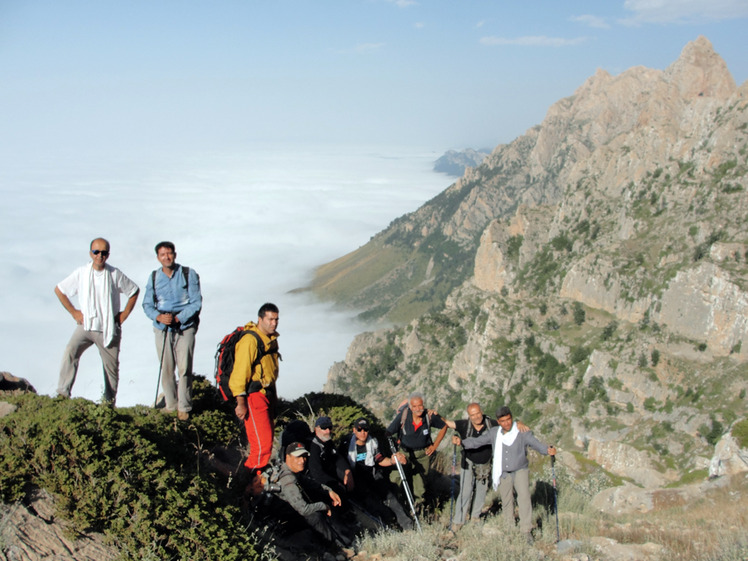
133,473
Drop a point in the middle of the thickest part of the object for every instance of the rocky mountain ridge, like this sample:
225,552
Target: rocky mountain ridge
594,275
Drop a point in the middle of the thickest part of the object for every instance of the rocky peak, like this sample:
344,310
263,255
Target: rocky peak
701,72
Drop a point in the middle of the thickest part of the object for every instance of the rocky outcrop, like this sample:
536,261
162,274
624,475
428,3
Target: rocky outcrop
729,458
31,531
455,162
10,384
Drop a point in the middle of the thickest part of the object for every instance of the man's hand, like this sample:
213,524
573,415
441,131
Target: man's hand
551,450
522,427
430,449
348,480
400,457
77,316
241,407
335,499
166,318
456,440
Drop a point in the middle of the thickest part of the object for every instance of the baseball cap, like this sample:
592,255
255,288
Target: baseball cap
296,449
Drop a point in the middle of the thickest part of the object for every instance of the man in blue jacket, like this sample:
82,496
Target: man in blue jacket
510,470
173,301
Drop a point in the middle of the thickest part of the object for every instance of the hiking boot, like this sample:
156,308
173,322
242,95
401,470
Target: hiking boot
183,415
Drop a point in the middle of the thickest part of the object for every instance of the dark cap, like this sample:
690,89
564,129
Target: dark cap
361,423
503,411
323,423
296,449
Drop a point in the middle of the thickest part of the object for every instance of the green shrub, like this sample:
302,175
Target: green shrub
740,433
133,474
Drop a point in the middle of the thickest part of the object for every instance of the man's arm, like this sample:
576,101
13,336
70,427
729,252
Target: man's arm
195,297
244,354
291,493
487,437
122,316
439,437
68,305
148,306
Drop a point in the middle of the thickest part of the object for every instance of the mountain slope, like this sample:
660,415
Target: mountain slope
612,131
602,286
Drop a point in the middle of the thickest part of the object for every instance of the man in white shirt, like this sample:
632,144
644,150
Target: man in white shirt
99,319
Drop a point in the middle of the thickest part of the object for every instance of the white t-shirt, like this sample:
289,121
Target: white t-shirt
100,307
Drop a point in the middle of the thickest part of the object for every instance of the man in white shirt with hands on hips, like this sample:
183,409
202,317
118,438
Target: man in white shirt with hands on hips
99,320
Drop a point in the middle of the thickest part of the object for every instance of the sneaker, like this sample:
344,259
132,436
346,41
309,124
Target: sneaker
183,415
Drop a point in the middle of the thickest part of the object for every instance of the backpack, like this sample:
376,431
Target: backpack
225,358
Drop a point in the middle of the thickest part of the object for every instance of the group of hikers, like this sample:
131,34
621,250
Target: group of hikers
311,485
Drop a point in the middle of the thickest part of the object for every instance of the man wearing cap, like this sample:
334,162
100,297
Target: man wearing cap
373,488
98,286
325,464
308,497
510,471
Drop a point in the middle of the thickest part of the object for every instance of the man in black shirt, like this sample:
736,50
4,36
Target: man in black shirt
326,466
475,473
373,491
412,426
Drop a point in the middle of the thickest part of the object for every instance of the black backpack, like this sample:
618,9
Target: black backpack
225,358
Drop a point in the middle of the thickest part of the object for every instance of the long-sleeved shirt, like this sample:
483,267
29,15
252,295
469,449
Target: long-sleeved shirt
177,295
513,457
295,488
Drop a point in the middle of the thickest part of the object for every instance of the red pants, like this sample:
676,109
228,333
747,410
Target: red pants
259,428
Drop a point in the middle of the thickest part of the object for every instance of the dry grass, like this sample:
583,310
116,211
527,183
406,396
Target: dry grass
713,527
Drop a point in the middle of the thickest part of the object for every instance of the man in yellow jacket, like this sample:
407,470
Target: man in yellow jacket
252,382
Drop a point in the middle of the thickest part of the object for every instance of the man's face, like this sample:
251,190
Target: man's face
166,257
296,463
505,422
99,254
268,323
361,434
475,414
416,406
324,434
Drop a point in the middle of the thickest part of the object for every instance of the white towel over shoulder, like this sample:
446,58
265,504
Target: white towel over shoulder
507,438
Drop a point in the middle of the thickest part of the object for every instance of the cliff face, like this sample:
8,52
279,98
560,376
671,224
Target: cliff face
607,286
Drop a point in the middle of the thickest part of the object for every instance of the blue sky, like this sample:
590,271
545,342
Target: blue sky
159,74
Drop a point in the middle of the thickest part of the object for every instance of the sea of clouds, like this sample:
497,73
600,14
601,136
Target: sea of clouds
254,223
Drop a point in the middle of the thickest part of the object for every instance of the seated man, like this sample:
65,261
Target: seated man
309,498
326,466
373,489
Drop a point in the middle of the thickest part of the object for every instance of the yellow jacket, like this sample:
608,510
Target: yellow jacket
245,354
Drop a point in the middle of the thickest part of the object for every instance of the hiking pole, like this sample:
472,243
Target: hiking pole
408,494
452,492
555,495
160,366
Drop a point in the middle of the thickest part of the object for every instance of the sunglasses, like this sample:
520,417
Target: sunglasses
362,429
104,252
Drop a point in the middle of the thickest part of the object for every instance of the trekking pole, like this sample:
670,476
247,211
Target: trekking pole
408,494
452,492
160,366
555,495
